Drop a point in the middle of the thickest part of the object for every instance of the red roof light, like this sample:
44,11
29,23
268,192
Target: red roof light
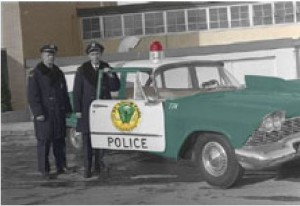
156,46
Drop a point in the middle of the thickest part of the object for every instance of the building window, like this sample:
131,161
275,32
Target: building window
240,16
197,19
284,12
91,28
154,23
133,25
112,26
176,21
218,18
298,11
262,14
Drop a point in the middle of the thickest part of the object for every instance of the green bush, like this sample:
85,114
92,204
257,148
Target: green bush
5,95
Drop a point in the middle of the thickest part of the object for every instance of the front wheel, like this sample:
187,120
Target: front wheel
216,160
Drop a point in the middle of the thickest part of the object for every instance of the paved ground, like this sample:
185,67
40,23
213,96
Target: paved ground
135,178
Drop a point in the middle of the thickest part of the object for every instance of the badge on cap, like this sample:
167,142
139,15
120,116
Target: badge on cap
94,46
49,48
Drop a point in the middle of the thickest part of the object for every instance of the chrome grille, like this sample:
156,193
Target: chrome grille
289,127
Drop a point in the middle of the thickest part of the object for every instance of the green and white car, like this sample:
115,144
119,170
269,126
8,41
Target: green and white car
197,110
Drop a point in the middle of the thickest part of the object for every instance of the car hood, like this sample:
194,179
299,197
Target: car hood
262,95
238,113
260,101
272,84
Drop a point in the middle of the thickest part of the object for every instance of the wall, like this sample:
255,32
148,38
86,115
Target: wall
45,22
249,34
26,26
273,62
210,37
53,22
12,42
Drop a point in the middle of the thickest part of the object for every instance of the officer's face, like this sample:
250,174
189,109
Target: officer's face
95,57
48,58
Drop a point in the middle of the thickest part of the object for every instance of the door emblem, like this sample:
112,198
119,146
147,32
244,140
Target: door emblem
125,116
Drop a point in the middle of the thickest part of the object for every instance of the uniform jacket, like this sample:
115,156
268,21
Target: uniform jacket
48,96
84,91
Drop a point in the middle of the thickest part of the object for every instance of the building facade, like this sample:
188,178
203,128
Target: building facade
177,25
191,24
26,26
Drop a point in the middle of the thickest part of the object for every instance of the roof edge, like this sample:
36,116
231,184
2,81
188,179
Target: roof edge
191,51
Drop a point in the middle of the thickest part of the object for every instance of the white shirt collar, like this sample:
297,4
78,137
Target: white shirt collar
95,66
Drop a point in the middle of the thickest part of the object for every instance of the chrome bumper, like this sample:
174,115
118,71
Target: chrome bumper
269,155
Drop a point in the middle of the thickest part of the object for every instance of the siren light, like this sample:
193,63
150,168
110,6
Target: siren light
156,52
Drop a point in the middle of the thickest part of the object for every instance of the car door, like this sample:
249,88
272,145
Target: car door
131,124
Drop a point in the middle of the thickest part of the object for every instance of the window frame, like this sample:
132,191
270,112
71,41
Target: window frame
240,19
197,23
163,25
296,11
227,20
100,28
142,24
121,26
184,21
253,16
284,16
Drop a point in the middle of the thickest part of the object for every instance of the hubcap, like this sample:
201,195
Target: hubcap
214,159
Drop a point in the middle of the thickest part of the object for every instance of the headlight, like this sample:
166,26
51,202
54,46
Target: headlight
272,122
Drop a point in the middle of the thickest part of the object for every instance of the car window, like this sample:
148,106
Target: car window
206,75
144,77
158,81
177,78
129,92
189,78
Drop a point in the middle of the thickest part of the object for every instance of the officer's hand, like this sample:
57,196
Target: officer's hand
40,118
106,69
78,115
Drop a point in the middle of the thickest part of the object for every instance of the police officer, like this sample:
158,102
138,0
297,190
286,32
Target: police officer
49,103
84,92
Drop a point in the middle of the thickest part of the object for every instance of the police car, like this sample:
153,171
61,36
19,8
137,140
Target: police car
196,109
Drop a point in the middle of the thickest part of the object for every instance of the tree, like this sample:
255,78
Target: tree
5,93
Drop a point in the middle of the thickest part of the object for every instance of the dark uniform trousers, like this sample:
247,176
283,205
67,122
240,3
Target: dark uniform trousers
43,149
58,147
88,154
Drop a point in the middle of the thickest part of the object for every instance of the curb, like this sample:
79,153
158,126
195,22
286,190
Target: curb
17,133
17,129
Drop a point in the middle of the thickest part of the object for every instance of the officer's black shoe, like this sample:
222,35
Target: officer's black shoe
105,169
46,176
67,169
87,174
97,169
101,167
60,171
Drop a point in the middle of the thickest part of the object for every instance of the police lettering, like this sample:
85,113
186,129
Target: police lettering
127,143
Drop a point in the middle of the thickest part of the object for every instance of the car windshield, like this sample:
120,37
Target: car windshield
181,79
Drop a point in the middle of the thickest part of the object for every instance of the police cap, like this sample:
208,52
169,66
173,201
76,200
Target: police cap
94,46
51,48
